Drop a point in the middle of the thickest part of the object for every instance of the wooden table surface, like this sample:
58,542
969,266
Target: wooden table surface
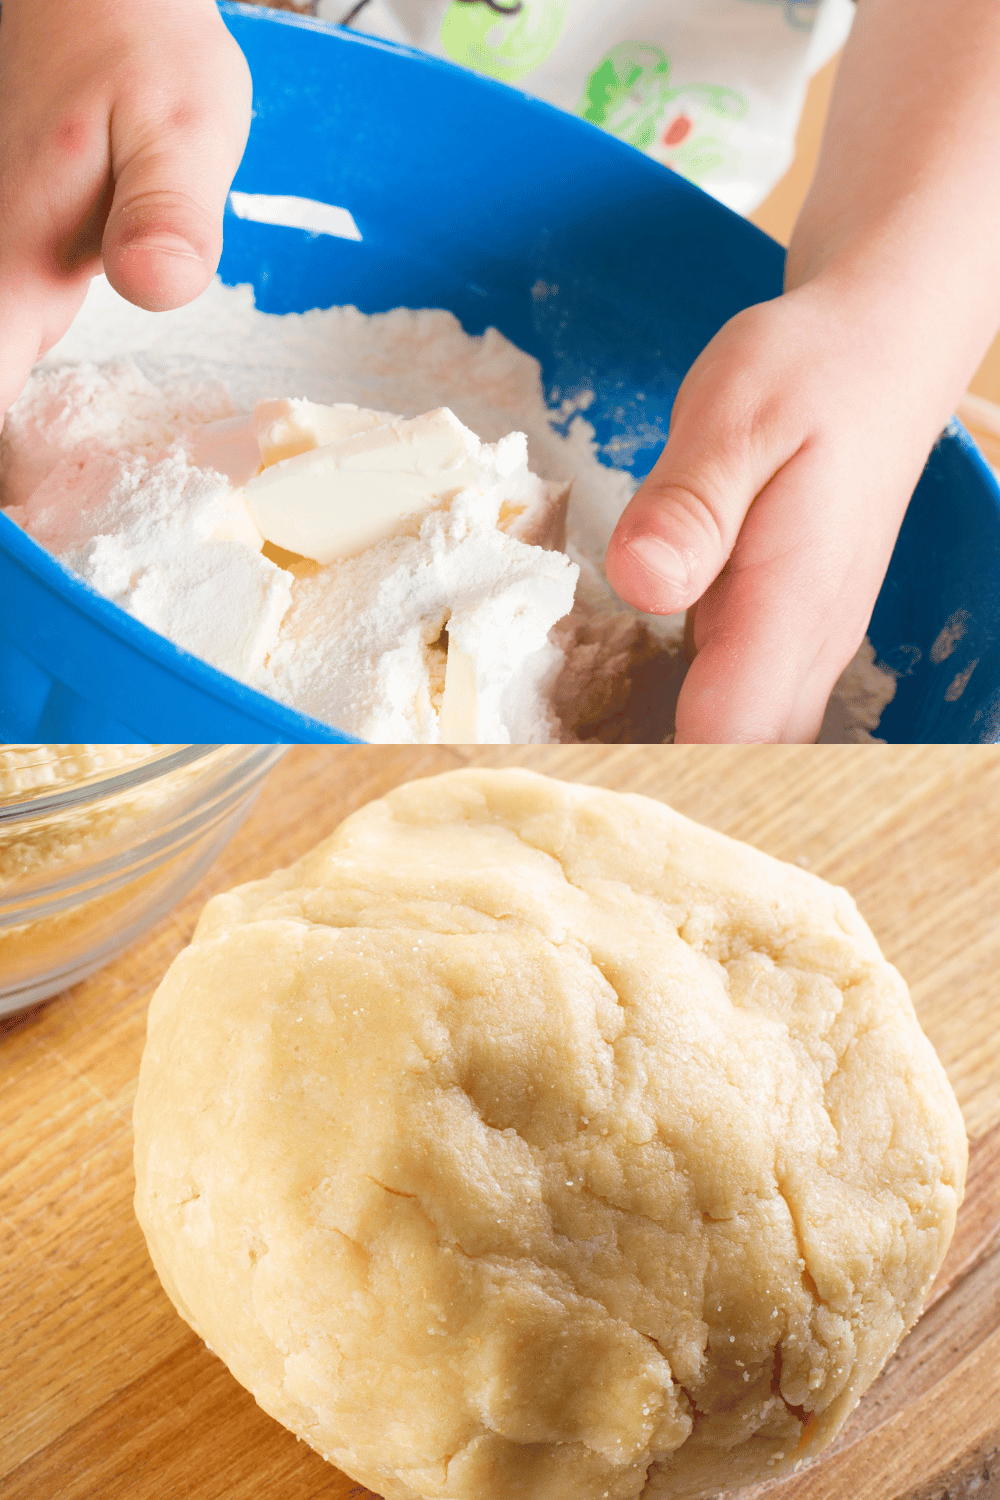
107,1395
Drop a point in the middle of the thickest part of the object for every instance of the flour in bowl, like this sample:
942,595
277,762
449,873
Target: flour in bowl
99,462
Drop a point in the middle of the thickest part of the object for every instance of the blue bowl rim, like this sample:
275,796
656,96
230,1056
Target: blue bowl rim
198,674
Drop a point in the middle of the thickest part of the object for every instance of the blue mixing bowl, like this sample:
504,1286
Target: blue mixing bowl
609,269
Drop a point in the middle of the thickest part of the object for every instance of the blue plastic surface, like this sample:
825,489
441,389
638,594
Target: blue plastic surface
612,271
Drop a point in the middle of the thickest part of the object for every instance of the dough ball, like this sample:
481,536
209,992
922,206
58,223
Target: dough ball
527,1141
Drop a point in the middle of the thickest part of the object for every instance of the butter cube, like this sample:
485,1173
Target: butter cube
457,717
335,501
231,521
292,425
230,448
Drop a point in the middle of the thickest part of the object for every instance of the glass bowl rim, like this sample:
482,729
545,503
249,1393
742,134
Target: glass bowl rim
71,796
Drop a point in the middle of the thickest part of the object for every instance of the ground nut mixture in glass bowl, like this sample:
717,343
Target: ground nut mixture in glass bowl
97,842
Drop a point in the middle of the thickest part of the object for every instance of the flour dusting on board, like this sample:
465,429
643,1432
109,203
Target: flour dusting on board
97,464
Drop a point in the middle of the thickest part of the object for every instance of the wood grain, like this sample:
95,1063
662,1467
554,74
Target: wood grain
109,1396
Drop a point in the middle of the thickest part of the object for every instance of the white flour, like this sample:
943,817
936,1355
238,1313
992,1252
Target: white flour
107,435
86,461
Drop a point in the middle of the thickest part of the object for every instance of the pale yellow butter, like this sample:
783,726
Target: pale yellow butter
335,501
459,704
292,425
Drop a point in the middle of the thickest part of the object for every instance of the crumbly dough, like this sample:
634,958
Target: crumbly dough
71,878
528,1141
54,838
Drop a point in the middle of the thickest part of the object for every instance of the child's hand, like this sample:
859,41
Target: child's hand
122,123
795,443
799,434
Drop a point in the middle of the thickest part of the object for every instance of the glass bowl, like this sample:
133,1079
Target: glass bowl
97,842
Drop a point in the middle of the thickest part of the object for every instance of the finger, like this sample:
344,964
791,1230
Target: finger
163,237
678,530
748,689
781,622
690,649
53,203
20,321
35,311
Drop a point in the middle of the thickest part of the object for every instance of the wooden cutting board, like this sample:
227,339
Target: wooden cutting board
107,1395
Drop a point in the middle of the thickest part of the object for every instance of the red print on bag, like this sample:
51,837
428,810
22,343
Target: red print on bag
678,130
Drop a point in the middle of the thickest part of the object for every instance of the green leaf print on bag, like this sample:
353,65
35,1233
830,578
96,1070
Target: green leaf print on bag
503,40
629,95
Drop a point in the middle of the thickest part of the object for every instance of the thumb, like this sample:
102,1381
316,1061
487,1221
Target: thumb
730,434
163,236
672,540
677,532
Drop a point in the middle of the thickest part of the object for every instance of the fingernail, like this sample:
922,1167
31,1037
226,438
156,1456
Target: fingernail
164,244
670,568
